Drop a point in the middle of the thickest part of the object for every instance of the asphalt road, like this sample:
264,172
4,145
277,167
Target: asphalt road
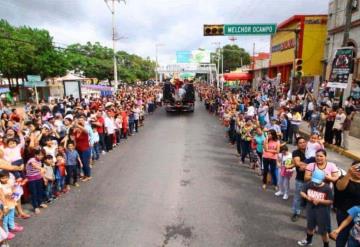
176,183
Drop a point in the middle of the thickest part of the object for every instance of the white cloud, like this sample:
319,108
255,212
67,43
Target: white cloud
175,23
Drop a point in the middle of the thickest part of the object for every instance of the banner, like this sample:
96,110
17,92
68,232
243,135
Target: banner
196,56
341,68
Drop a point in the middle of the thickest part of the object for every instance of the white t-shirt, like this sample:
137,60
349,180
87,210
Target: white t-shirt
285,160
339,120
250,111
109,125
136,112
311,149
311,106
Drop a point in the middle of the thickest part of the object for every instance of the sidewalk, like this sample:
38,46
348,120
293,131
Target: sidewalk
354,144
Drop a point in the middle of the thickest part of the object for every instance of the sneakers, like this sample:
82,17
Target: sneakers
295,218
285,197
10,236
304,242
17,228
37,210
279,193
43,205
76,184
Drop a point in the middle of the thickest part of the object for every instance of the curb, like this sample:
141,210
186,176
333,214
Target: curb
332,147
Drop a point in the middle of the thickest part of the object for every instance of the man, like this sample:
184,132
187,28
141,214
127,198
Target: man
295,122
300,166
350,113
273,125
338,126
109,131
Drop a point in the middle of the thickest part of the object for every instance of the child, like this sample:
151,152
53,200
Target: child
95,148
49,177
12,153
354,238
3,234
319,198
34,172
286,166
50,148
60,174
72,161
312,146
8,187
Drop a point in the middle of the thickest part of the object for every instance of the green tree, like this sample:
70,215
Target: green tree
234,57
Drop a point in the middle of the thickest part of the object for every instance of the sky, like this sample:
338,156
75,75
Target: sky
141,24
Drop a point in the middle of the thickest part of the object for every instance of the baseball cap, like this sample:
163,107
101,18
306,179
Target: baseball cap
318,176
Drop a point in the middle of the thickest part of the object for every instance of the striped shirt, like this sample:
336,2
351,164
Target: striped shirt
33,173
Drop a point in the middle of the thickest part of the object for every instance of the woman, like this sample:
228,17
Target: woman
263,114
329,126
246,137
347,195
259,139
270,155
322,123
4,121
83,146
321,163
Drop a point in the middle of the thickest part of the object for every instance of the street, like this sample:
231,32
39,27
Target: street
176,183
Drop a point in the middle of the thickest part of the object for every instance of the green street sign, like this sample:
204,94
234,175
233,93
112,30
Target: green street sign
34,81
249,29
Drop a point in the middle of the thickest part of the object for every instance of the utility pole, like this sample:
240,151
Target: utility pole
253,60
222,69
348,15
114,39
157,63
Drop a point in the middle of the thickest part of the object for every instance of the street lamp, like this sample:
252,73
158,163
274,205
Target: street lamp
218,44
156,57
114,39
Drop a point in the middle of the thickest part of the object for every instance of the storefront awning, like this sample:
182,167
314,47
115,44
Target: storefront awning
237,76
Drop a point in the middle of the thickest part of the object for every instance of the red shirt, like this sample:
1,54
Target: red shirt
101,120
82,141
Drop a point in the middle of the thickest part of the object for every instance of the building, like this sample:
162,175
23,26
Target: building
336,26
311,43
259,69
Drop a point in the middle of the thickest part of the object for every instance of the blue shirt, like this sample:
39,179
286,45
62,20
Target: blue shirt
260,142
354,212
284,124
72,157
275,127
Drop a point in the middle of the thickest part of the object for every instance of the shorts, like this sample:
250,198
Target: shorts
319,217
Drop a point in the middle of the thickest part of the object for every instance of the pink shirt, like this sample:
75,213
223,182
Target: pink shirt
272,145
329,169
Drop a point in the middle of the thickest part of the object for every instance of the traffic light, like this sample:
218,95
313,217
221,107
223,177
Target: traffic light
298,68
213,30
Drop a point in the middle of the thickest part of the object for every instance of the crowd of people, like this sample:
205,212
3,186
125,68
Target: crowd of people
262,124
47,149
